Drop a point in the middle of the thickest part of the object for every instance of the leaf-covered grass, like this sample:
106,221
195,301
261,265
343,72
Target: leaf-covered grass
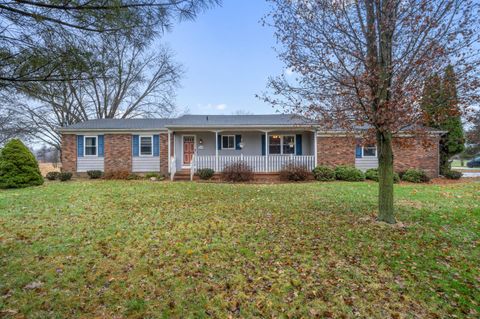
114,249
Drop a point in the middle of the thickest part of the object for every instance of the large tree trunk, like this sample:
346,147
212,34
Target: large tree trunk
385,178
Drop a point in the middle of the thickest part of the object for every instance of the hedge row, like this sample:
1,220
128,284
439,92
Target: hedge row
352,174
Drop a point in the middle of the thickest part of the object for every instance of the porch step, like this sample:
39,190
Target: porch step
182,175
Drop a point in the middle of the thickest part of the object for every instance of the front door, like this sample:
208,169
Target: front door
188,149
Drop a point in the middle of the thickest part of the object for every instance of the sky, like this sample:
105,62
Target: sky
228,56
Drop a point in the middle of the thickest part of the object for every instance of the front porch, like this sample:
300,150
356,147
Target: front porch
262,151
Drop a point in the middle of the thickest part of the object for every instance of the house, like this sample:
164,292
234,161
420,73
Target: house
265,142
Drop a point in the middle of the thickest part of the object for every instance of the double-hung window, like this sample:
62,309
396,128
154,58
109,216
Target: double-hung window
228,142
91,146
146,146
278,144
274,144
369,151
288,144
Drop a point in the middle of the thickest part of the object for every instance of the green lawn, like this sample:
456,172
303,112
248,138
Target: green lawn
140,249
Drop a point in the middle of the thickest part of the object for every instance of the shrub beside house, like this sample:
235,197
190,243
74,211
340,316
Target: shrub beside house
18,166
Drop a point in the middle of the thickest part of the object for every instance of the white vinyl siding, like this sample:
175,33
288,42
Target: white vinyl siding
146,164
91,163
365,163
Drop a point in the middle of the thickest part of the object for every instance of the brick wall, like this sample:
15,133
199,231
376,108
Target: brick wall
164,158
410,152
335,150
118,152
69,153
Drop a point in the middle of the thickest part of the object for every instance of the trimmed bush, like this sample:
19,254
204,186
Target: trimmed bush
116,175
349,173
372,174
324,173
133,176
51,176
95,174
65,176
294,173
18,166
453,175
237,172
415,176
205,173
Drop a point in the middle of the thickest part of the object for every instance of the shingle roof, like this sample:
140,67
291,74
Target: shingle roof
120,124
238,120
190,121
204,121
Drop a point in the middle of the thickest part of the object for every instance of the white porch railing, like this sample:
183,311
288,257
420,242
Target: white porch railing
258,163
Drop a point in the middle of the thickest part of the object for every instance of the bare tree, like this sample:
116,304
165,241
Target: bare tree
11,126
473,134
364,62
125,80
34,34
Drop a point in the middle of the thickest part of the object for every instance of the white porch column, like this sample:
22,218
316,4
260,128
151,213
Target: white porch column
315,146
266,152
169,157
216,151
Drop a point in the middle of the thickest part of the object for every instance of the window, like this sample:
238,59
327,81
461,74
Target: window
278,144
274,144
146,146
289,144
370,151
228,142
90,146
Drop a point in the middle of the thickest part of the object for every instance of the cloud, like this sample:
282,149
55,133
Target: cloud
288,72
211,108
217,107
220,107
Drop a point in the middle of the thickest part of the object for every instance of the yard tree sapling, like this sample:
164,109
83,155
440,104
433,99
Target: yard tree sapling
365,63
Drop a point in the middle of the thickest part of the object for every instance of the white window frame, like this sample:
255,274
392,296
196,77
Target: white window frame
85,145
363,151
282,143
294,144
140,146
234,142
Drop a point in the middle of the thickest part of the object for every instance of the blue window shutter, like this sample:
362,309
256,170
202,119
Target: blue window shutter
298,141
156,145
263,144
238,139
219,142
358,151
100,146
135,145
79,145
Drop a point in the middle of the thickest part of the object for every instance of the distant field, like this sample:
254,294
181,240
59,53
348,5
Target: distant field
458,163
139,249
48,167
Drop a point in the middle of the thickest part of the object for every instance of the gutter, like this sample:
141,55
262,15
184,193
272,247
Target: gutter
83,130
